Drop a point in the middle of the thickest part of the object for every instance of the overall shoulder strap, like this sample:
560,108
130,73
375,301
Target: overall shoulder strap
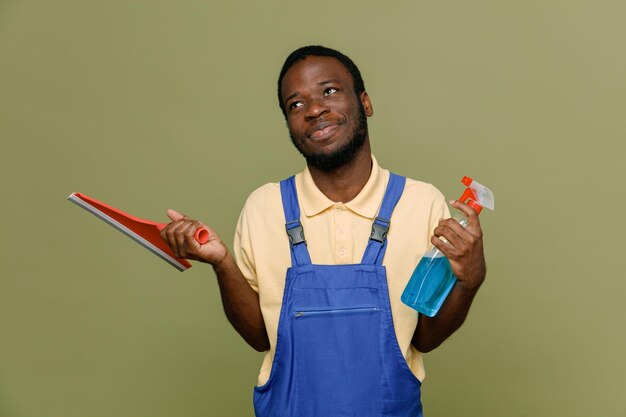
375,250
297,243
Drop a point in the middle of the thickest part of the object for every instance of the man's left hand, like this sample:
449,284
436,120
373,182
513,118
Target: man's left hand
464,248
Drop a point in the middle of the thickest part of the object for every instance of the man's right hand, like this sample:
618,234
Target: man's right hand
179,235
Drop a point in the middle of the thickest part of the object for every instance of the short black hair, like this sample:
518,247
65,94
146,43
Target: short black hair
317,50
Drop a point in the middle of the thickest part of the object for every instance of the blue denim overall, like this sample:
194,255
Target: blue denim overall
336,353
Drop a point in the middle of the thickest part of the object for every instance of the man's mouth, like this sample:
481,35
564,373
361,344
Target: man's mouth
324,130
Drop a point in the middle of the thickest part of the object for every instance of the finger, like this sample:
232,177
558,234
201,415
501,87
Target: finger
172,233
163,233
453,225
188,241
446,248
169,237
174,215
166,233
450,235
179,238
470,213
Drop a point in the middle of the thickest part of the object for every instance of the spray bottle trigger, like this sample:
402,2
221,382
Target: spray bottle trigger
469,198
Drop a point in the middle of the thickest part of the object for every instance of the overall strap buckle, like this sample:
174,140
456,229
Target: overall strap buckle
380,227
377,245
295,231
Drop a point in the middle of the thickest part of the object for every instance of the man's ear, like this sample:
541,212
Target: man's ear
367,104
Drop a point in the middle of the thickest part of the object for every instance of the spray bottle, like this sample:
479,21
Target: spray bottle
433,279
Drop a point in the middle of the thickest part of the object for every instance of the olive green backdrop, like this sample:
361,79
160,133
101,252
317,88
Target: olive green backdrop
148,105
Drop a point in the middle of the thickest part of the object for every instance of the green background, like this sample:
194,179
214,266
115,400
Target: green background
149,105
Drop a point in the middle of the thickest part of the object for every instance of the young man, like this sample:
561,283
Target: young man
323,257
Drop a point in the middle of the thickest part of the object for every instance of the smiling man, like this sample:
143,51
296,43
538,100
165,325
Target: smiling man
328,140
322,258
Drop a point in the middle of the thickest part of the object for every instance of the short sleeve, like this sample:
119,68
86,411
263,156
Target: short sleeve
243,250
439,209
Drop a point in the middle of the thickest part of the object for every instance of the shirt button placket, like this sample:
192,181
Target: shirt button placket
341,242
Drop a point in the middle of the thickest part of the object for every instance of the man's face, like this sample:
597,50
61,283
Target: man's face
326,120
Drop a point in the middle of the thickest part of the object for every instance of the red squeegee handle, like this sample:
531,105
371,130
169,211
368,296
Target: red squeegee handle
201,235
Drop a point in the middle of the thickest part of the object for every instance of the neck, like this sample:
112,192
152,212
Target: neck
345,183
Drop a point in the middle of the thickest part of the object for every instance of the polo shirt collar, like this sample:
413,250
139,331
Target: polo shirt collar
365,204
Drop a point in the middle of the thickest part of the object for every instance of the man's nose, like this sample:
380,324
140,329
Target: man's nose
316,108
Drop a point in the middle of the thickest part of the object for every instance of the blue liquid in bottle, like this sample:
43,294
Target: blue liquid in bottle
430,283
432,280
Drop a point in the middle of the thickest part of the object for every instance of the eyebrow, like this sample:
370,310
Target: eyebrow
291,96
329,81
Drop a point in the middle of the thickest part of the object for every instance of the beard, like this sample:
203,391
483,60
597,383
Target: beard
340,157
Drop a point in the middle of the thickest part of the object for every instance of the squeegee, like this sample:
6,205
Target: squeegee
144,232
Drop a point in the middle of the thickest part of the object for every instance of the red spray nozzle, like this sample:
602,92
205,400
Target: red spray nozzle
477,195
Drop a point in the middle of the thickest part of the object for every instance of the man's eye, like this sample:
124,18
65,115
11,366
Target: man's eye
329,91
295,104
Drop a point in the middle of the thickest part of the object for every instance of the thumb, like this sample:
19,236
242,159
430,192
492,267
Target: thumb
174,215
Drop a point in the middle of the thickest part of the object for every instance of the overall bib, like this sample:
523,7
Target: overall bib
336,353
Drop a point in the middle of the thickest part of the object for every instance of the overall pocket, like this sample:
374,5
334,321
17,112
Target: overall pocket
338,364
